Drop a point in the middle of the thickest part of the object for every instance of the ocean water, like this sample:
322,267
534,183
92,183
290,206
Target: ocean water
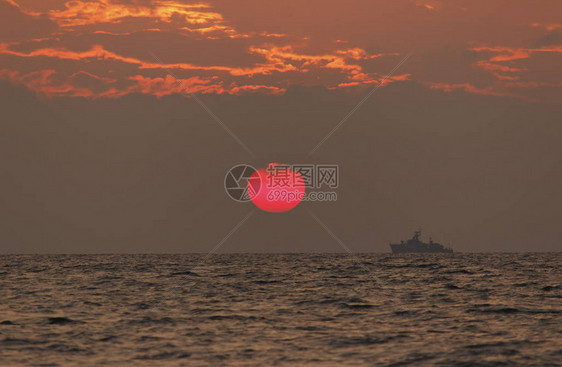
281,310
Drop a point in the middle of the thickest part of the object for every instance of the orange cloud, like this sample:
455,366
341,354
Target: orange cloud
52,84
292,60
79,13
216,28
280,59
531,84
506,77
363,79
487,65
344,66
464,86
44,82
507,57
168,85
429,4
359,54
97,52
548,27
277,59
509,54
24,11
501,61
193,18
200,18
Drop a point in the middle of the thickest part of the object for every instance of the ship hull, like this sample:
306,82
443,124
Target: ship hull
406,249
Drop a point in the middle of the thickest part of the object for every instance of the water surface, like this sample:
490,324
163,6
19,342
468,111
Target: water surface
294,309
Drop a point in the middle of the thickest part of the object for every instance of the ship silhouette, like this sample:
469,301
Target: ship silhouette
414,244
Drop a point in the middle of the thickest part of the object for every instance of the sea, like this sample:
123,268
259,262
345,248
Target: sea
487,309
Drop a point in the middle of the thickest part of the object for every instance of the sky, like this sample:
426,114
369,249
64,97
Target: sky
104,151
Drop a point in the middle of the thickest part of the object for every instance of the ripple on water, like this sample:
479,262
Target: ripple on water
262,310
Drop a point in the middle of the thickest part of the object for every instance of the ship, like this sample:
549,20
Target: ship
415,245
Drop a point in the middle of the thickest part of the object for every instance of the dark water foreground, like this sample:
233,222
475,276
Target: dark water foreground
265,310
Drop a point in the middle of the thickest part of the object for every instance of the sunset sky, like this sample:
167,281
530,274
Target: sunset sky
101,49
102,150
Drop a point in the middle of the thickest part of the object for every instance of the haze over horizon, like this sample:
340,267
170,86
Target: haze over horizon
102,151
